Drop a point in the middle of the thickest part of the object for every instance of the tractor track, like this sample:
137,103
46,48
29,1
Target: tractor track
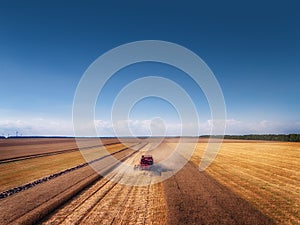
91,191
77,209
112,195
109,202
106,193
63,215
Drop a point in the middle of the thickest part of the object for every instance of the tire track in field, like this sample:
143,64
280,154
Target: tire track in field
84,207
107,202
79,208
108,208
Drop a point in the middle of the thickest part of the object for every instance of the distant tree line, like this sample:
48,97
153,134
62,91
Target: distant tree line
265,137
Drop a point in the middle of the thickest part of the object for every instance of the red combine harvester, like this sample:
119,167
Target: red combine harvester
146,162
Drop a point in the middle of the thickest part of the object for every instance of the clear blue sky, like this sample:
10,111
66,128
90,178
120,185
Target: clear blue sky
252,47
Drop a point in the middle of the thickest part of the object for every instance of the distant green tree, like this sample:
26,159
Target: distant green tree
267,137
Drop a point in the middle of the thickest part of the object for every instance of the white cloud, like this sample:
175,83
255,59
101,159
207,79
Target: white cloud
261,127
56,127
130,127
37,126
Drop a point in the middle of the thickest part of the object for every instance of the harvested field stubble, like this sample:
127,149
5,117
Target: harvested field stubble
267,174
107,202
14,148
31,205
20,172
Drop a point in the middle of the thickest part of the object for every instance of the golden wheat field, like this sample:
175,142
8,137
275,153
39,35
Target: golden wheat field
249,182
267,174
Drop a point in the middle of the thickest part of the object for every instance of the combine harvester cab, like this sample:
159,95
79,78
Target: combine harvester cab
146,162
